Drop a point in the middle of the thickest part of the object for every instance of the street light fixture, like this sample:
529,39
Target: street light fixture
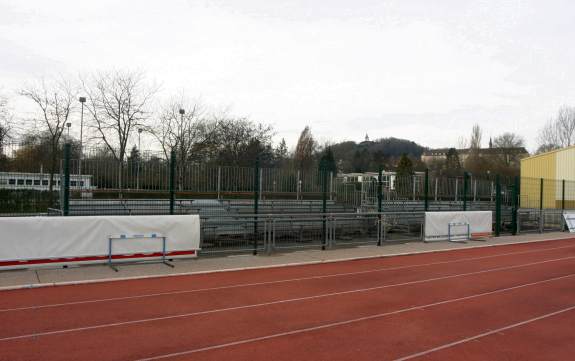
68,125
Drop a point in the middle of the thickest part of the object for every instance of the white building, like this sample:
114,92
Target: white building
41,181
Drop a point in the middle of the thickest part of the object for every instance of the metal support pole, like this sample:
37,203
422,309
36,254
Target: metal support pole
563,205
66,185
256,202
298,186
323,172
475,190
497,206
541,194
465,189
456,186
541,205
379,204
426,191
515,209
436,187
331,186
562,195
172,181
219,189
413,181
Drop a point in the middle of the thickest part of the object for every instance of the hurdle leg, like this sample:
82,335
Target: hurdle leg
164,253
110,255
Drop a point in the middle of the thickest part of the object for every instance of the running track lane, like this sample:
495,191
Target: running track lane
472,294
68,316
92,291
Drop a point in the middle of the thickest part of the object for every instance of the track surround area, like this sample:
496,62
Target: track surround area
425,306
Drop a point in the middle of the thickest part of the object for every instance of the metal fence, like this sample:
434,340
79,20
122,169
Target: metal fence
255,209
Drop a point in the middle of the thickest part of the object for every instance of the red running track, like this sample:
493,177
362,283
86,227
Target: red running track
514,302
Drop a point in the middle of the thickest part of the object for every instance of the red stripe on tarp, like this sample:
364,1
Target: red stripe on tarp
93,258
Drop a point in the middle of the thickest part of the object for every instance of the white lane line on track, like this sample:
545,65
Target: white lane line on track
170,293
347,322
264,304
484,334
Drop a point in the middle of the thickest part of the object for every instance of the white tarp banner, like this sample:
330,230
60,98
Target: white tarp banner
570,221
86,238
437,225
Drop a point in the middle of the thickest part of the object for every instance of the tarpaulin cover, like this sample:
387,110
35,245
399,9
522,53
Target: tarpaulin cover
33,238
437,223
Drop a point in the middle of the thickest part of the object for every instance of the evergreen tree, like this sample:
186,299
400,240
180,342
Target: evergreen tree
452,163
281,152
404,176
405,166
327,161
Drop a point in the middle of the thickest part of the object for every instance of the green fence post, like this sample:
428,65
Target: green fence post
256,202
426,191
497,205
379,204
172,184
562,195
563,202
66,185
541,195
323,175
515,208
465,189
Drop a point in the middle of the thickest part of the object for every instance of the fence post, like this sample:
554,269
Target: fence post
456,186
219,189
562,195
413,181
541,205
323,174
515,208
379,203
426,191
331,186
66,185
172,184
563,203
497,206
298,186
256,202
465,189
541,194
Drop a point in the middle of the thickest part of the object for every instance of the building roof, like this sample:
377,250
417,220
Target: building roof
443,151
549,152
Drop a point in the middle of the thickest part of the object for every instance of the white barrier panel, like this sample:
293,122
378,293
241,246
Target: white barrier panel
570,221
48,240
437,225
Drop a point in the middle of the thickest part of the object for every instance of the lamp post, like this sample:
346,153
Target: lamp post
82,101
68,125
140,130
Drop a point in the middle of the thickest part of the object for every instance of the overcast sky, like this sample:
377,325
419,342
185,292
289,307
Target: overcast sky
422,70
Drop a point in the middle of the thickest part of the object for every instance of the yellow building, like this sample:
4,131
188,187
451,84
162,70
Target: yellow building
553,167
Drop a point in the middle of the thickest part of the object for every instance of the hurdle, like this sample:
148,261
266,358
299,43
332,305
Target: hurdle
112,238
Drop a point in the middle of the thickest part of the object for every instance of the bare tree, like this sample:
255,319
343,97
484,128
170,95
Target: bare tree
558,132
184,128
55,101
118,103
241,141
306,146
508,140
475,139
5,123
